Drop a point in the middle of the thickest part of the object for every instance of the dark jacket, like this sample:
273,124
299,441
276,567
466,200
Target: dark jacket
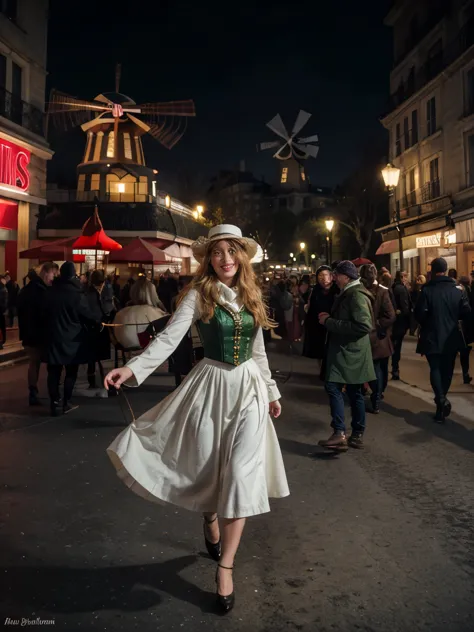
440,307
3,298
384,314
97,344
30,311
349,356
403,305
315,335
13,290
67,314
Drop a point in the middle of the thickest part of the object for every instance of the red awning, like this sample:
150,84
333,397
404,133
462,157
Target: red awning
388,247
360,262
60,249
139,251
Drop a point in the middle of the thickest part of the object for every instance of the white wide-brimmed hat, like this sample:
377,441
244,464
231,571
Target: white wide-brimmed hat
223,231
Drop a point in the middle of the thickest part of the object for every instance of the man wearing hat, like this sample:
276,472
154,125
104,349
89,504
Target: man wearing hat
349,355
440,307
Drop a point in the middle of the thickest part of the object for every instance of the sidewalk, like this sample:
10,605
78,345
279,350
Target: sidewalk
415,380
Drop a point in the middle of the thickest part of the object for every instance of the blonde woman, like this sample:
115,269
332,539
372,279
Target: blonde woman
211,446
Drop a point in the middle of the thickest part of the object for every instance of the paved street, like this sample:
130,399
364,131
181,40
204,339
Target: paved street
380,540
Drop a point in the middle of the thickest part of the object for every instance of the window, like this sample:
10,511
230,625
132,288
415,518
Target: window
284,175
87,182
16,80
127,145
409,186
398,141
470,92
110,145
434,62
95,182
9,8
3,71
406,134
434,178
470,160
414,127
431,116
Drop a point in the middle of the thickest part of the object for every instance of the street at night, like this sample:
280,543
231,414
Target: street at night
379,539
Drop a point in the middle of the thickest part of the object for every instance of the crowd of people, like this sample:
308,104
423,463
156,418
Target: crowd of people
63,318
354,321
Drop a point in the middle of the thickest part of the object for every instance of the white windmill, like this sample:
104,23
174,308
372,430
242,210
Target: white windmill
292,150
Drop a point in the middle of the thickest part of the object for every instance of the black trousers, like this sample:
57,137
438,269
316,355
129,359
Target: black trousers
397,353
464,357
441,374
3,329
54,378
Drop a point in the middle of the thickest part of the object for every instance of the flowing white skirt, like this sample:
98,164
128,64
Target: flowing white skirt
210,446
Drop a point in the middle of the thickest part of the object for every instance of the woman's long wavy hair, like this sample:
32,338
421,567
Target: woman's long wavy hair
205,283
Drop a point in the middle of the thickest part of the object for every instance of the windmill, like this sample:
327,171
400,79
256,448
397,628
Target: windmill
292,150
114,163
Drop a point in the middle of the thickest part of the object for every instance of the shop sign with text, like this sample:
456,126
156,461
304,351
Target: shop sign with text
14,161
429,241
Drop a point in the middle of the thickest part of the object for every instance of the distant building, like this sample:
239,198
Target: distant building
430,120
24,151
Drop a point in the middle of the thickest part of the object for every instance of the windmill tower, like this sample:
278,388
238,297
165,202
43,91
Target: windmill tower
292,151
113,166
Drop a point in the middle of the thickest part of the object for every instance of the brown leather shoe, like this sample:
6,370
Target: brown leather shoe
336,440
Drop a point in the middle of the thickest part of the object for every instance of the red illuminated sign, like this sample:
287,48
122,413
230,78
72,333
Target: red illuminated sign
14,161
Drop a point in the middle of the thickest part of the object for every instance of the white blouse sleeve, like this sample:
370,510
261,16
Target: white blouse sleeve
259,355
160,349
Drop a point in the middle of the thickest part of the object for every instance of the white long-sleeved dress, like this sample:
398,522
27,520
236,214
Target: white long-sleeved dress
210,446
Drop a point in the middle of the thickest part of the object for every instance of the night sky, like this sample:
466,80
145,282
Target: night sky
241,64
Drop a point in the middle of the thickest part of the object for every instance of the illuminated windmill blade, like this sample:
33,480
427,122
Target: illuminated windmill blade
172,108
61,102
271,145
301,120
306,150
277,126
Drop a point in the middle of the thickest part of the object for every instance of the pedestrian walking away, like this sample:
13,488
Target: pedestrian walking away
349,355
3,308
31,302
380,337
403,307
210,446
440,307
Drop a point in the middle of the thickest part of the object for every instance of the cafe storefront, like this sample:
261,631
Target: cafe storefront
22,187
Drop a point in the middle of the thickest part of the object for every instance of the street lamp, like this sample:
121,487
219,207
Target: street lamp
302,245
329,226
291,255
391,175
200,209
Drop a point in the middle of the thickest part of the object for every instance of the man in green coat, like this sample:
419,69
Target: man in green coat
349,356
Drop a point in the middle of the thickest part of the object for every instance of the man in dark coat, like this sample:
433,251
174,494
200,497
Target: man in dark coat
66,316
442,304
349,356
321,301
98,344
403,309
13,290
167,290
31,301
380,337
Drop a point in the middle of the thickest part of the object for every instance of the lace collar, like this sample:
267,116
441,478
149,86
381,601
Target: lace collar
228,297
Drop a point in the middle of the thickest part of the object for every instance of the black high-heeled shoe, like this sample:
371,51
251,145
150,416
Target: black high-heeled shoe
225,602
214,550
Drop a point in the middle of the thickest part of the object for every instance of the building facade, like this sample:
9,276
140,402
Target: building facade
430,120
24,151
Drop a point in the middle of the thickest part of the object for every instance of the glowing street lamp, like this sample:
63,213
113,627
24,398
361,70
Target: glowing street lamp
200,209
391,176
302,245
167,201
291,255
329,224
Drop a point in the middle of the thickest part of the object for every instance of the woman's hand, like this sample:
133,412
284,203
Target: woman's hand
323,316
117,377
275,409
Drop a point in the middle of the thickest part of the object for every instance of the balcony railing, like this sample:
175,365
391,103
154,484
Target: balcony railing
433,66
21,113
431,190
68,195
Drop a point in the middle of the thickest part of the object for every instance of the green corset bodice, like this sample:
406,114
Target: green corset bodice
228,337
